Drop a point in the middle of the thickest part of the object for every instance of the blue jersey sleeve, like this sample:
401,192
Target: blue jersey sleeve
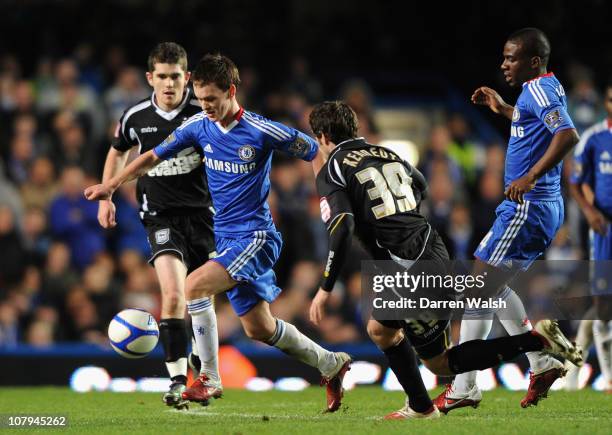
287,139
298,144
582,171
546,103
183,137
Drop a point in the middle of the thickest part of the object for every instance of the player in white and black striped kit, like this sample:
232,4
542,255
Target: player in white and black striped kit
175,206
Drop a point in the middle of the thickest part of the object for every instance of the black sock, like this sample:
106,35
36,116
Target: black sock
404,364
173,336
482,354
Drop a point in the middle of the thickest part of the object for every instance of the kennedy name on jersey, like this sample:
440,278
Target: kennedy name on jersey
354,157
184,162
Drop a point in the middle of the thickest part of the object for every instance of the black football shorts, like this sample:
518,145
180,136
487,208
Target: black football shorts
190,238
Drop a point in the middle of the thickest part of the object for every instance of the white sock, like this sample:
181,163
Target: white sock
584,339
204,324
515,321
603,344
584,336
291,341
177,368
471,329
194,347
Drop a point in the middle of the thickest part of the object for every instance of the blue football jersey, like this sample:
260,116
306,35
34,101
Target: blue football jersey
237,159
539,113
593,163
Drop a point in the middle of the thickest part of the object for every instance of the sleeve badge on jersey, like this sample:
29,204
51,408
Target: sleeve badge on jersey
516,114
325,209
169,140
553,119
299,147
162,236
246,153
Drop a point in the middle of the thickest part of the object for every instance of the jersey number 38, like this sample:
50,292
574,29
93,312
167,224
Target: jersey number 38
394,186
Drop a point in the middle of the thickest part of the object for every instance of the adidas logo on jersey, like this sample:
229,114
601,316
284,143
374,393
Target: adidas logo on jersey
208,148
605,156
148,130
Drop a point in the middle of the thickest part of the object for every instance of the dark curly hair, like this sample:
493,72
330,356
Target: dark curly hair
335,119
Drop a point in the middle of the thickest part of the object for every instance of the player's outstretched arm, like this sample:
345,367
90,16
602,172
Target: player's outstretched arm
340,232
597,221
485,96
135,169
562,142
115,162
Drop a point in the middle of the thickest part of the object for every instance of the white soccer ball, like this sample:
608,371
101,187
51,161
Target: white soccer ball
133,333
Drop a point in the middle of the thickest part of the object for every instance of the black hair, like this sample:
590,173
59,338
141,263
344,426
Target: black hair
167,52
533,43
217,69
335,119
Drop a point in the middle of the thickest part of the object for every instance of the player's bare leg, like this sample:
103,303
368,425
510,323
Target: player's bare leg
259,324
212,278
171,273
200,288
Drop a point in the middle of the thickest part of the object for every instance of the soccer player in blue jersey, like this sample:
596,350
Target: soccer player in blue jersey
541,134
238,147
593,173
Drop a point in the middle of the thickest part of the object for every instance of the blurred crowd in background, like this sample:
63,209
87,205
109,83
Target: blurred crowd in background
62,277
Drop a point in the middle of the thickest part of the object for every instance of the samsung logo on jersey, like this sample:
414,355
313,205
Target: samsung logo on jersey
229,167
148,130
516,131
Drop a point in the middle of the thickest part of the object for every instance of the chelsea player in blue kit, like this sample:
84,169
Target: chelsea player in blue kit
238,147
541,134
591,187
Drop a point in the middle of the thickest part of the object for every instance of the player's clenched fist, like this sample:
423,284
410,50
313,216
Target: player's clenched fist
98,192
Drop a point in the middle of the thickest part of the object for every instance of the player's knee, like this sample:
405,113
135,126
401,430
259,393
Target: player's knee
196,287
438,365
383,337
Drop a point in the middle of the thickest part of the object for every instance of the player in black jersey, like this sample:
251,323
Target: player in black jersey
175,206
372,192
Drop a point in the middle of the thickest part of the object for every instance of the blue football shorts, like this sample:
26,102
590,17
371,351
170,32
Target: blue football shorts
520,233
249,259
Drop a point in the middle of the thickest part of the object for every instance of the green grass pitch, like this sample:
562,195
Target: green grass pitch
274,412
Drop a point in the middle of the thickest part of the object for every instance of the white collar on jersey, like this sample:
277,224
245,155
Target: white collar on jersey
349,140
232,124
227,129
169,116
